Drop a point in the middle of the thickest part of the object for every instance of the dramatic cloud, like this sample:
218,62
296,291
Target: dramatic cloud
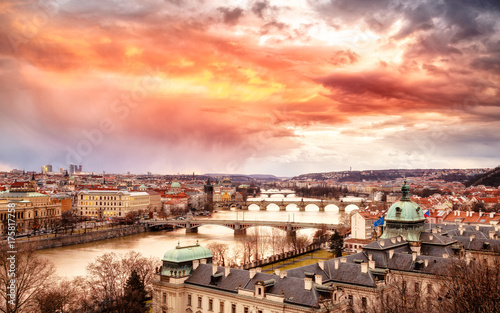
249,86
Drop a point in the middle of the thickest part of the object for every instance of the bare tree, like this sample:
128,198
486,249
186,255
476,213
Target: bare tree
473,287
108,275
219,252
23,276
62,297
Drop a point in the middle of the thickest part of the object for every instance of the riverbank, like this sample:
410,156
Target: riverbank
281,257
67,240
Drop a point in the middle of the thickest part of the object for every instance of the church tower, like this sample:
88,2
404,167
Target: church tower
404,218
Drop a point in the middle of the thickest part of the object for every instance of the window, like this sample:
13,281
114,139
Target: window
221,310
417,287
210,304
363,302
164,297
350,299
199,301
245,309
429,288
189,300
233,308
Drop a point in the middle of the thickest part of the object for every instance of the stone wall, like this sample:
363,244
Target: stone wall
66,240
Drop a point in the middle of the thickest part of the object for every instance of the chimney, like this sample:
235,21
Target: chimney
414,256
277,272
491,234
393,239
252,272
214,269
382,243
321,264
461,232
391,253
343,260
336,263
318,279
431,237
492,214
434,231
203,261
426,262
364,267
404,238
471,237
445,255
371,264
481,214
227,270
283,274
370,257
477,227
308,283
258,269
195,264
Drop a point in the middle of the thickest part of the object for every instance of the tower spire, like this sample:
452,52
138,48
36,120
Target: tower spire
405,189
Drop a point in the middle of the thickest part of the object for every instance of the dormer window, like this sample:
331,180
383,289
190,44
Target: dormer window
398,211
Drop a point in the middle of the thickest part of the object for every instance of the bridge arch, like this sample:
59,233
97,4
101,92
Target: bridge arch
311,208
277,195
292,207
332,208
351,207
272,207
253,207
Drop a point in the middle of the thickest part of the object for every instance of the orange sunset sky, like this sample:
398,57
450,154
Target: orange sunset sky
264,86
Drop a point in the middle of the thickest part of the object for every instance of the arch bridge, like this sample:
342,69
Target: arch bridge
284,192
282,204
240,227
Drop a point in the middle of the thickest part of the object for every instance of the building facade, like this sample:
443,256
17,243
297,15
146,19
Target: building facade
113,203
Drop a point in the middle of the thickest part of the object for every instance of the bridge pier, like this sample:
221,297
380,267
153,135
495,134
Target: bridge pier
290,232
238,230
191,230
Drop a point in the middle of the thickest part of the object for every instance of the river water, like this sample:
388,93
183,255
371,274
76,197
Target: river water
71,261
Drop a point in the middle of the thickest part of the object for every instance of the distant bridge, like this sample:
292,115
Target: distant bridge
240,227
285,202
284,192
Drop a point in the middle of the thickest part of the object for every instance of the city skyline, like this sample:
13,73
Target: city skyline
249,87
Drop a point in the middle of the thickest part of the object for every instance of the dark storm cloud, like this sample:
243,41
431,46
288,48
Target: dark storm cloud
259,7
231,16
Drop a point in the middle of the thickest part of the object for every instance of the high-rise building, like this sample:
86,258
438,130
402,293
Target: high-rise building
46,169
78,168
71,169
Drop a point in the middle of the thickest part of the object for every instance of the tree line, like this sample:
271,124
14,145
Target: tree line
114,283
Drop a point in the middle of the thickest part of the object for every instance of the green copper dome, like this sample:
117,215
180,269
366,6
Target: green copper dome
404,218
186,254
175,185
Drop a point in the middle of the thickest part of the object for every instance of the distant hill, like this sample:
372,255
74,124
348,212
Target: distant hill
240,177
385,175
491,178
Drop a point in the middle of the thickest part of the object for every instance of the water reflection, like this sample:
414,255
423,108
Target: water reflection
71,261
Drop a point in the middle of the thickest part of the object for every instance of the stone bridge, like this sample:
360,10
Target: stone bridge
283,203
240,226
284,192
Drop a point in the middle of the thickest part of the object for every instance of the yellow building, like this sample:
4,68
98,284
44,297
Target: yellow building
34,211
113,203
